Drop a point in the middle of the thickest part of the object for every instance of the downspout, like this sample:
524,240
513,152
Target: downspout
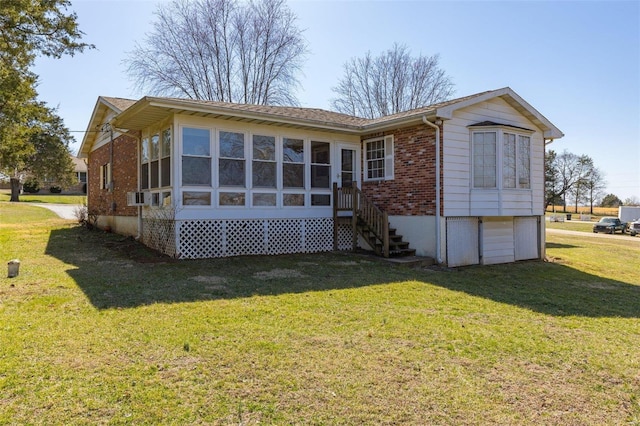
438,244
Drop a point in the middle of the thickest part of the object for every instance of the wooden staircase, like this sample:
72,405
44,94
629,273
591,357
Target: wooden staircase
367,220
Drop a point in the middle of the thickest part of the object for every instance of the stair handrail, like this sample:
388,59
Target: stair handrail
377,220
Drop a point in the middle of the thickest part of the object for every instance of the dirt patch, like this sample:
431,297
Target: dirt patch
212,279
278,273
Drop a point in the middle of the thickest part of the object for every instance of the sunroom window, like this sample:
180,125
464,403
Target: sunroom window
196,157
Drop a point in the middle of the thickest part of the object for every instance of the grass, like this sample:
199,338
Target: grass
5,195
96,329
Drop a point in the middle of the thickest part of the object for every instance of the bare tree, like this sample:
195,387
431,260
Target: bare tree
222,50
594,184
392,82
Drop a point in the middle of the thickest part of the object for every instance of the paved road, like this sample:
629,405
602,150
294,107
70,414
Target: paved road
65,211
591,234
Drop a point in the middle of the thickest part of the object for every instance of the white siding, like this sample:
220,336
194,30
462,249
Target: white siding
460,199
497,240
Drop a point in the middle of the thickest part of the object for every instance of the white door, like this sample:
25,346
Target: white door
347,160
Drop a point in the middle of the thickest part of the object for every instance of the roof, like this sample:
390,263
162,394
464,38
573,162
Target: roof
105,108
137,115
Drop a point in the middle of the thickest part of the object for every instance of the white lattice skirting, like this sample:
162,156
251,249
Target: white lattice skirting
160,234
198,239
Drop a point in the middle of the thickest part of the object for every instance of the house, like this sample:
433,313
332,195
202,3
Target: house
461,181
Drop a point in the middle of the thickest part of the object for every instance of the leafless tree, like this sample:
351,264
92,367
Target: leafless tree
221,50
392,82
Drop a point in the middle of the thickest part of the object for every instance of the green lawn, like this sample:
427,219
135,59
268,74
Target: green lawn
96,330
5,195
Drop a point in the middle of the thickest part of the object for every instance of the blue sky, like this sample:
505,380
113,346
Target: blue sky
577,62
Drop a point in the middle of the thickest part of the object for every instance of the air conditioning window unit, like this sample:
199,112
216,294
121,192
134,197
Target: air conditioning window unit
138,199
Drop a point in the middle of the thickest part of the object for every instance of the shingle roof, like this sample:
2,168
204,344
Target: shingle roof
119,103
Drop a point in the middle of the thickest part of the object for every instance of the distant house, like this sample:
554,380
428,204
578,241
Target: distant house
79,185
461,181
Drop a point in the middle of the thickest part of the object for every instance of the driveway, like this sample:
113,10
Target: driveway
65,211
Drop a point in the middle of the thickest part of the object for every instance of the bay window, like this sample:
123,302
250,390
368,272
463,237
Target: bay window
501,158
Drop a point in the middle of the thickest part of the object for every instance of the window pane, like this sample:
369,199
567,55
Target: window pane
144,176
166,143
293,175
166,199
264,148
524,162
509,161
154,177
192,198
260,200
264,174
195,142
232,198
231,145
144,154
293,200
484,160
320,152
196,171
320,176
320,199
165,171
232,173
293,150
155,147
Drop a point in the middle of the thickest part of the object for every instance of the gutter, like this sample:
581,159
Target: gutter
438,244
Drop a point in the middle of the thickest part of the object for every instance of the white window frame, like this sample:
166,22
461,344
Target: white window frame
521,182
387,158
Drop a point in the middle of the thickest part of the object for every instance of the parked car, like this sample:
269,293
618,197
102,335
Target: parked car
610,225
634,227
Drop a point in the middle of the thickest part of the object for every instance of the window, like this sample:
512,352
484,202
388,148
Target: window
155,160
264,161
231,162
165,162
144,163
320,173
196,157
292,163
501,151
82,177
484,159
105,176
379,158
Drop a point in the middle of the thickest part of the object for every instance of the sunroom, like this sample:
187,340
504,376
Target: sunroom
221,182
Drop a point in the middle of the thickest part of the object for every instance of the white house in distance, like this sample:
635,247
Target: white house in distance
461,181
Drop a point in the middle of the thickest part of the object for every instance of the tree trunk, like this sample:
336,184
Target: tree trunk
15,189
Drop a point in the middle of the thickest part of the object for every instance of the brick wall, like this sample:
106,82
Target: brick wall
124,174
412,192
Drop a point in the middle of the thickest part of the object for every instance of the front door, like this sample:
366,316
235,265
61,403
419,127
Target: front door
348,162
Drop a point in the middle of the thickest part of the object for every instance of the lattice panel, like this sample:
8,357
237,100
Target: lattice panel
221,238
201,239
344,237
285,236
318,235
160,234
244,237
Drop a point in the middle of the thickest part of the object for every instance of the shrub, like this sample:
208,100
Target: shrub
31,186
55,189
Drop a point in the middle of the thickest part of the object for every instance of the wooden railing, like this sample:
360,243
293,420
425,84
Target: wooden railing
353,200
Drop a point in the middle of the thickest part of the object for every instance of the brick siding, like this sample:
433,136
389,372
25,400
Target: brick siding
124,174
412,192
